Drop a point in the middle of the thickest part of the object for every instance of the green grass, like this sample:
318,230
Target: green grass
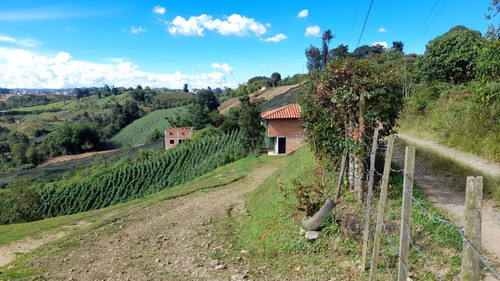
138,131
461,117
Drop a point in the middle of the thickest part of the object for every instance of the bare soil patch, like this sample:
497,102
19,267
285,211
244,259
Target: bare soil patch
167,241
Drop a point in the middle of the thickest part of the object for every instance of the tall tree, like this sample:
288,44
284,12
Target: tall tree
313,56
185,89
250,125
326,38
275,78
398,45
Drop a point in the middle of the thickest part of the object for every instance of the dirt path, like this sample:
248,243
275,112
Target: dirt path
167,241
441,190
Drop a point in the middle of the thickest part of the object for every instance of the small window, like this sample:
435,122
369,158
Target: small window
180,141
171,133
171,141
183,133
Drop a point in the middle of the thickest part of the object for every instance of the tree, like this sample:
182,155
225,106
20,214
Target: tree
77,138
313,56
452,57
106,88
275,78
250,125
326,38
185,89
207,98
343,105
362,51
398,45
341,52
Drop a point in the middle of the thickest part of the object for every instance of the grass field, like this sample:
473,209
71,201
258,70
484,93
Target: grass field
138,131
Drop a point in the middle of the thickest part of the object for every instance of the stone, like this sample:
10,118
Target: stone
220,267
302,232
312,235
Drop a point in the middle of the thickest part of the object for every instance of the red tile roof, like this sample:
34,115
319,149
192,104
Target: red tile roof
291,111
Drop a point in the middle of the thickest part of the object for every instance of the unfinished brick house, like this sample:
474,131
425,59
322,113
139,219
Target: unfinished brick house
283,131
174,136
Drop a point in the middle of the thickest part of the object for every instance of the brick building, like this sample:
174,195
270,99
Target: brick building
283,131
174,136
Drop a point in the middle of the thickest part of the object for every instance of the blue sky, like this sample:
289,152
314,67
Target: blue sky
65,44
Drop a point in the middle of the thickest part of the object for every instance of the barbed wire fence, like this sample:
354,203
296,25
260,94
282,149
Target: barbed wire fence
470,234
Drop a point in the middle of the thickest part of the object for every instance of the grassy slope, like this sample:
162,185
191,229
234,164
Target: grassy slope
270,232
459,118
138,131
228,173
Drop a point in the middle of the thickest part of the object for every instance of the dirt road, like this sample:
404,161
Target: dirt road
441,190
166,241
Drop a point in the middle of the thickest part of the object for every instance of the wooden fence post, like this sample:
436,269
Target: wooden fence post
369,199
381,208
404,238
473,220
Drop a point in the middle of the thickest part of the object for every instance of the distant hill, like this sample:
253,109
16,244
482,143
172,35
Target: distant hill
137,132
267,94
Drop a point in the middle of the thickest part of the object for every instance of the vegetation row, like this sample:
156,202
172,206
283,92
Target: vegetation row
125,182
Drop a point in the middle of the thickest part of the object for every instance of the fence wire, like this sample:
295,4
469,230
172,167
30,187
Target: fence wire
461,230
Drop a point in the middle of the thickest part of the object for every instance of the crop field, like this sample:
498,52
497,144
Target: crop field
138,131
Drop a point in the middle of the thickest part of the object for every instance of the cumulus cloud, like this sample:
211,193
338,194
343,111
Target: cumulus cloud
224,66
24,69
275,38
233,25
303,13
137,30
382,29
19,42
159,10
313,31
383,44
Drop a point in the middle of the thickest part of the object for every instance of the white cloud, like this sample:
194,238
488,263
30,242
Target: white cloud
313,31
382,29
233,25
24,69
137,30
303,13
383,44
275,38
224,66
19,42
268,25
159,10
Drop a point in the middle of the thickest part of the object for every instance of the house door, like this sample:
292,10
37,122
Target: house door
281,145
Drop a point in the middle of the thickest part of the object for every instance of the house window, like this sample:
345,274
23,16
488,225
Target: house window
180,141
171,133
171,141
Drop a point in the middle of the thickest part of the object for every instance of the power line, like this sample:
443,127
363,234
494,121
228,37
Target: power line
353,21
366,19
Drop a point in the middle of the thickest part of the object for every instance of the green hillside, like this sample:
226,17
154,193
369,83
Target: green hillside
137,132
